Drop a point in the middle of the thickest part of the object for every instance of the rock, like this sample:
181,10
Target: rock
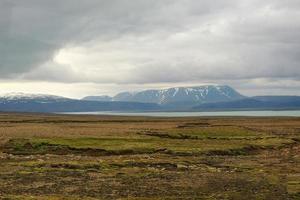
181,166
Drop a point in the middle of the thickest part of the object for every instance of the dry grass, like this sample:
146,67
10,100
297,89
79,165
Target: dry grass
100,157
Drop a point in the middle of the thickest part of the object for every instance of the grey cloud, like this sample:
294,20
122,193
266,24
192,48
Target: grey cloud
161,41
32,31
53,72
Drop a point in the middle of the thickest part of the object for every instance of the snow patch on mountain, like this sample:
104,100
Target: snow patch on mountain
22,97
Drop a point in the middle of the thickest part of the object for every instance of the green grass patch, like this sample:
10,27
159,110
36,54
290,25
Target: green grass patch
226,132
120,146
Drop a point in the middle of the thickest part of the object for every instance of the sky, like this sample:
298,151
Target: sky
76,48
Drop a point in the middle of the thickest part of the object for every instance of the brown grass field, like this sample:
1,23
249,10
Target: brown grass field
110,157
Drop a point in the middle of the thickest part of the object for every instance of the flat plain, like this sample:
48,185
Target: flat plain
112,157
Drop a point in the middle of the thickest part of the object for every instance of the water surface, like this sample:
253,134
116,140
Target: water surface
282,113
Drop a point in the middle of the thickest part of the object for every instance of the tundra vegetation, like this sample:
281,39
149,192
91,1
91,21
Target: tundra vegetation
111,157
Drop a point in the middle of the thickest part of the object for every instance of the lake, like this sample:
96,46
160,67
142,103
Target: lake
282,113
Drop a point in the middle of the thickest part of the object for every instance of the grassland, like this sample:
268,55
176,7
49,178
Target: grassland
101,157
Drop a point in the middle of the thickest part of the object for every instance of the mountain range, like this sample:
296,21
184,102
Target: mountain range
20,102
201,98
253,103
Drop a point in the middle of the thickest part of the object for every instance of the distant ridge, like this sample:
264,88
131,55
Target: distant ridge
97,98
21,102
254,103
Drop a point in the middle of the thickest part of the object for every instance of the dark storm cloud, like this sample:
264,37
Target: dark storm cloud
156,41
33,30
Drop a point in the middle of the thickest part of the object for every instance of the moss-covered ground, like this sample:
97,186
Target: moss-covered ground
101,157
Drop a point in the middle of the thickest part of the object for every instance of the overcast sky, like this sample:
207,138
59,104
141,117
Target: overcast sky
76,48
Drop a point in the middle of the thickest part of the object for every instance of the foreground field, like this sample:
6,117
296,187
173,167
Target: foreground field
98,157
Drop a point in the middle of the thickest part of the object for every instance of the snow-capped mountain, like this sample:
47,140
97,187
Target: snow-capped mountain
200,94
26,97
